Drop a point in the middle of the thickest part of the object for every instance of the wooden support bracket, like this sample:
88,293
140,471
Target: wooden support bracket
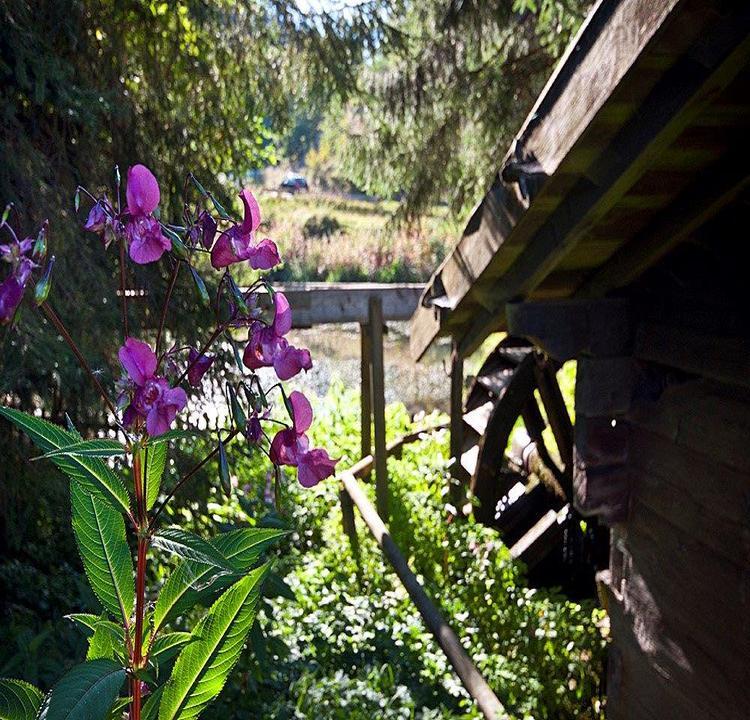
566,329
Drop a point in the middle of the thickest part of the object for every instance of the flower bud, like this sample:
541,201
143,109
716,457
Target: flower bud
198,280
226,482
237,412
41,292
178,247
39,251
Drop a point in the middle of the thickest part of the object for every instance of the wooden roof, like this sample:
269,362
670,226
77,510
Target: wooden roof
638,139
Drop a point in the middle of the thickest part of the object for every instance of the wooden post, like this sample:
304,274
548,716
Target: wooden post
457,422
365,391
471,678
377,387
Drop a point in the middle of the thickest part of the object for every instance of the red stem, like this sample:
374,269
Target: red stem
140,586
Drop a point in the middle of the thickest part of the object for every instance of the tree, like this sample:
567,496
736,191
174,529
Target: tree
436,109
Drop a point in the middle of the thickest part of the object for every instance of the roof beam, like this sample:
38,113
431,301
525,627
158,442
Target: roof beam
674,102
608,44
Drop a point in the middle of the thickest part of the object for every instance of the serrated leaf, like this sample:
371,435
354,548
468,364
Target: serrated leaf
118,708
156,462
173,435
87,620
90,472
100,533
19,700
101,644
203,666
242,548
150,709
188,546
100,447
86,692
166,646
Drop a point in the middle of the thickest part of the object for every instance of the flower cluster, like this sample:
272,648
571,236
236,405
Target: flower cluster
22,257
150,394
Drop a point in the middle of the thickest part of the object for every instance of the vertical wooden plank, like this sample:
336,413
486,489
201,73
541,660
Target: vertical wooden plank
365,393
457,422
377,385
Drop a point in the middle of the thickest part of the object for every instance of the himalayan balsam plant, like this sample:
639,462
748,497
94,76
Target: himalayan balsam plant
116,478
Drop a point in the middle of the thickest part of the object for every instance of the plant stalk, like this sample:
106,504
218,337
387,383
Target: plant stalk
55,320
122,289
165,307
140,585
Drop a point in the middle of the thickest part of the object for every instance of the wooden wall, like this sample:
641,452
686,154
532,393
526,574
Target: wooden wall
678,586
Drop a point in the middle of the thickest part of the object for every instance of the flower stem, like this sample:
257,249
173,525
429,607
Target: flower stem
165,307
122,289
140,585
55,320
187,477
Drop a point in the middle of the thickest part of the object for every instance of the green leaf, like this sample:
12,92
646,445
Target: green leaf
226,481
18,700
155,465
184,544
203,666
117,710
276,586
86,692
87,620
165,647
173,435
92,473
150,709
101,644
89,448
186,586
100,533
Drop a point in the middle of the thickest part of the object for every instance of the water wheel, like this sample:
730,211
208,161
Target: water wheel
523,489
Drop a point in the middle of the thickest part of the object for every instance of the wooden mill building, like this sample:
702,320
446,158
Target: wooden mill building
613,234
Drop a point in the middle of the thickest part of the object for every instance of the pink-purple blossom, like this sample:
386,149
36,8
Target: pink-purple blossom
198,365
17,255
291,446
151,397
238,242
267,346
146,242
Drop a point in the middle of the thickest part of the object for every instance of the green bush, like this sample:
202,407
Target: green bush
352,645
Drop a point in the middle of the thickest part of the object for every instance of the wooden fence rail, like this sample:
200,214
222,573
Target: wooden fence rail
471,678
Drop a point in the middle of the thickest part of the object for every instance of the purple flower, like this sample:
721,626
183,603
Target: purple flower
288,444
11,294
267,346
142,192
146,242
198,366
153,400
208,229
253,429
97,219
291,446
313,466
289,360
238,242
16,254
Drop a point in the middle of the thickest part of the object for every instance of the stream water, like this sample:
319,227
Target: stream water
335,349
